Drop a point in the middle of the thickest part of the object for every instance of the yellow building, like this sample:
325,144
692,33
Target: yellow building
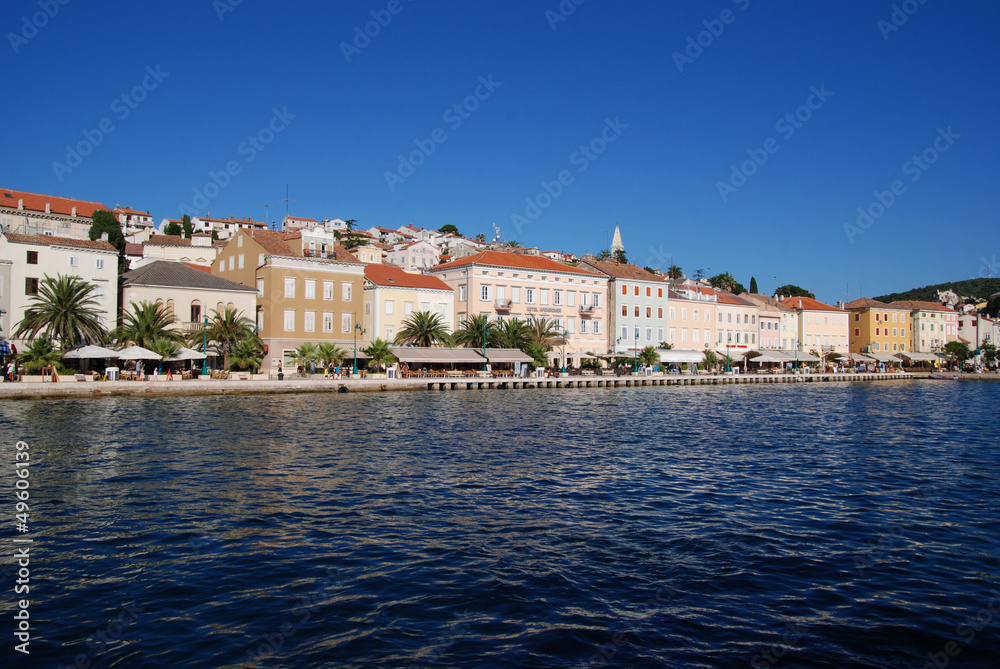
876,327
392,296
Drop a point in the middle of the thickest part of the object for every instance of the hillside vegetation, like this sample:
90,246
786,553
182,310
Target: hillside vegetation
981,288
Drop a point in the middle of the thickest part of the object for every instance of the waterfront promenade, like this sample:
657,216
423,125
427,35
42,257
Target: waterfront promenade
319,384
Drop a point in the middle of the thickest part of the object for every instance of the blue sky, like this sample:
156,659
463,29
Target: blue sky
673,128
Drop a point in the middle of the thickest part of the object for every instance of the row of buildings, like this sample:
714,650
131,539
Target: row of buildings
301,285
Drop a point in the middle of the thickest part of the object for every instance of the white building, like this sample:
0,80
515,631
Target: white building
133,221
33,214
198,250
223,227
32,258
415,256
736,327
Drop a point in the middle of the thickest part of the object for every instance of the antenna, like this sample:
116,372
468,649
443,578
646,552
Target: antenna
286,200
267,210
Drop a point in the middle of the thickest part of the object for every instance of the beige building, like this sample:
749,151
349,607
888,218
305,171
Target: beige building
822,328
932,325
507,285
189,294
692,316
774,320
34,257
198,250
299,299
392,296
33,214
736,325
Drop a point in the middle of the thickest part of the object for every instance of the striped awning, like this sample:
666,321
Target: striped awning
4,348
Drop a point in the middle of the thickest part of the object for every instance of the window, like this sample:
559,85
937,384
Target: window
347,290
684,335
289,320
809,318
515,294
260,287
624,289
625,310
388,333
310,321
857,318
327,321
570,325
31,286
673,313
239,241
289,286
624,333
878,331
543,296
597,301
390,306
368,308
649,313
659,292
345,322
485,293
232,263
328,290
408,308
99,263
637,312
583,326
659,314
637,291
260,320
659,334
894,332
462,293
826,320
729,318
310,289
571,298
557,298
649,332
684,313
260,259
529,295
99,292
239,260
74,261
597,327
673,334
857,332
32,257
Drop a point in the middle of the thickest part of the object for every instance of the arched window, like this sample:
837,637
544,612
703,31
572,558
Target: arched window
170,308
195,311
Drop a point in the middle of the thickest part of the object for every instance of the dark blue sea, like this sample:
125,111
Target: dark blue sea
769,526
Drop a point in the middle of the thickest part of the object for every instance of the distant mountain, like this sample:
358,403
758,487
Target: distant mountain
982,288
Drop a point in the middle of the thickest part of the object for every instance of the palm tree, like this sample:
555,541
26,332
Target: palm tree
304,354
39,353
164,346
539,354
542,331
511,333
380,353
424,329
711,359
472,332
148,322
63,309
330,353
226,329
665,346
604,255
649,356
247,354
675,272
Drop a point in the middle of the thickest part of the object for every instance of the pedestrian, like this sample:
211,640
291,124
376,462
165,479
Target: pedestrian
139,371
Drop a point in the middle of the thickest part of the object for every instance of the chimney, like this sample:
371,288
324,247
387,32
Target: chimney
800,303
20,205
48,208
840,304
73,212
104,236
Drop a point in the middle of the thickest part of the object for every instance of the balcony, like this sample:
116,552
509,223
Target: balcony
586,309
503,304
188,328
316,253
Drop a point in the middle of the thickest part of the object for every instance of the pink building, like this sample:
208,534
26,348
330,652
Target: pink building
507,285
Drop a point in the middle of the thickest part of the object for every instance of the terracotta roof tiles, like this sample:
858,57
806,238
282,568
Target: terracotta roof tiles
96,245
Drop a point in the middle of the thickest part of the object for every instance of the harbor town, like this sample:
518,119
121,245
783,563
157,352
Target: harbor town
92,293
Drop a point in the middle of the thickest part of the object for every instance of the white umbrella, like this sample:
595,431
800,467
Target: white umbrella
91,352
138,353
186,354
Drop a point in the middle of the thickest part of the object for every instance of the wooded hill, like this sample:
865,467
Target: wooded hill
981,288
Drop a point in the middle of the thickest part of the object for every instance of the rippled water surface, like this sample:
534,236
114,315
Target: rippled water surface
797,526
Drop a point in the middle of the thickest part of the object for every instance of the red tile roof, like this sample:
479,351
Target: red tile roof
126,210
915,305
133,249
499,259
168,240
203,268
866,303
621,271
272,241
808,304
390,275
96,245
58,205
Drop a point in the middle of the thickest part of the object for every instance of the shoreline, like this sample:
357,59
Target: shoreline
97,389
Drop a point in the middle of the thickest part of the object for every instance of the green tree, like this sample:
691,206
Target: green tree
699,274
173,229
423,328
791,290
350,238
330,353
165,347
146,323
665,346
619,256
711,358
448,228
603,254
103,221
39,353
187,227
305,354
472,331
64,309
958,351
542,331
675,272
651,270
649,356
380,354
481,238
247,354
539,354
511,333
226,329
726,281
513,244
753,285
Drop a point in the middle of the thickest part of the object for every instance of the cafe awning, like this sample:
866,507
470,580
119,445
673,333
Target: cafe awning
437,356
681,356
922,357
886,358
506,356
736,356
769,357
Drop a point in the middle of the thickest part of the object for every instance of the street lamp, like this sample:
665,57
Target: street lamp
729,342
204,348
564,333
357,326
635,353
486,334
